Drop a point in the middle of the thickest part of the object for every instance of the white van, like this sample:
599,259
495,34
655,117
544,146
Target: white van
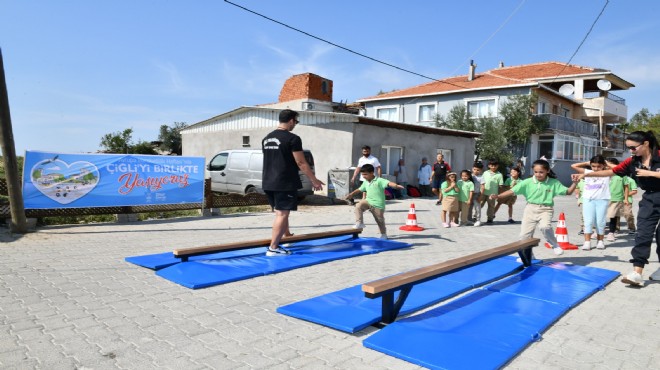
239,171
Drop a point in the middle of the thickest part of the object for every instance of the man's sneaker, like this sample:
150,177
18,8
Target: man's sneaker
633,278
277,252
600,245
477,223
358,225
444,224
558,251
454,224
586,246
383,236
511,221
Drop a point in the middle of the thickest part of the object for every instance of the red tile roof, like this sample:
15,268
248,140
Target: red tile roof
500,77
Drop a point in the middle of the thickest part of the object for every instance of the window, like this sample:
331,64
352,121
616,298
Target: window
388,114
219,162
564,147
566,112
389,159
246,140
481,108
541,107
425,113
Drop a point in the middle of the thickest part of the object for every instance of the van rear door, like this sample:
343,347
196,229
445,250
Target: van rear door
237,171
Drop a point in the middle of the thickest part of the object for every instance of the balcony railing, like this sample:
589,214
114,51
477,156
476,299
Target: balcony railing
566,124
597,94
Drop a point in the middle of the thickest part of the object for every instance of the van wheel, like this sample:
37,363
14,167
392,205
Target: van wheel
251,190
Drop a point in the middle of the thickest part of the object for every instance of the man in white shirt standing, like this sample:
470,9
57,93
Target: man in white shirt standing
366,158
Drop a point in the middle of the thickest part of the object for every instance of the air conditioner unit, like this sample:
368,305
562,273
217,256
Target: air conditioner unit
307,106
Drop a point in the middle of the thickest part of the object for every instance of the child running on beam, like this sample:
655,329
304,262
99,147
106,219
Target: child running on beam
375,199
539,190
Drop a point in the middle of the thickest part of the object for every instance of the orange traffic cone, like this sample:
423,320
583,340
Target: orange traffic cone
411,222
561,233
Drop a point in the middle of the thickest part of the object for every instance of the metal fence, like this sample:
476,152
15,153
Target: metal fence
211,200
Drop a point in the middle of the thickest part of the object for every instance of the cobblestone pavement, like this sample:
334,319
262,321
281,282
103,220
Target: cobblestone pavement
68,300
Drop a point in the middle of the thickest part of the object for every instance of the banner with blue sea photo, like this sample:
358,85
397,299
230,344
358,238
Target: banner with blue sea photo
58,180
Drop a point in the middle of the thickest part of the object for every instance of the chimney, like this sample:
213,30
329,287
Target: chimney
472,68
501,64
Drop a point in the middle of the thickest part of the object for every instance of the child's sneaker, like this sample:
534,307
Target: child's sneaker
633,278
558,251
477,223
511,221
600,245
444,224
586,246
383,236
611,237
454,224
277,252
358,225
489,221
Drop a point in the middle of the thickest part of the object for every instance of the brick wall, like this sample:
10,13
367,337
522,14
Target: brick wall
306,85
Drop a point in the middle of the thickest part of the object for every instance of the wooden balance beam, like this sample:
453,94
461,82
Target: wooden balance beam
405,281
185,253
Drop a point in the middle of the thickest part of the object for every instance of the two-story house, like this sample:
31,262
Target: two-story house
582,110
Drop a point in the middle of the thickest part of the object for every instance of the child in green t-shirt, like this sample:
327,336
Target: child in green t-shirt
539,190
449,190
375,199
511,181
630,189
465,194
492,181
615,208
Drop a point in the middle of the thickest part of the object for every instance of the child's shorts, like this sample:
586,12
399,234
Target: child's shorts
509,201
614,209
450,203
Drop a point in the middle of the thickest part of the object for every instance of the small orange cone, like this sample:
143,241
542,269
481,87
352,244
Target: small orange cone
411,222
561,233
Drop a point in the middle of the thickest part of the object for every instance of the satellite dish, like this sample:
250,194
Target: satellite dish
566,89
604,85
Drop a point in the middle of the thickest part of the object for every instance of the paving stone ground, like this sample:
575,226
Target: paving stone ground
68,300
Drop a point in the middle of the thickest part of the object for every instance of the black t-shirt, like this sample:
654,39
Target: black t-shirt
280,172
629,166
440,170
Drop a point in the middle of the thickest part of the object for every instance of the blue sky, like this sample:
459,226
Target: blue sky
77,70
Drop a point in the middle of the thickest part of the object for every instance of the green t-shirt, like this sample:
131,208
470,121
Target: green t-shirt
580,187
511,182
492,182
632,185
466,187
375,191
616,189
452,192
537,192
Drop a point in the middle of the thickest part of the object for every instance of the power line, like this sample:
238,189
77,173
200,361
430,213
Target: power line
583,40
341,47
492,35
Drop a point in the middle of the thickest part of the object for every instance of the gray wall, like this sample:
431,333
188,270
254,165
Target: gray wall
338,145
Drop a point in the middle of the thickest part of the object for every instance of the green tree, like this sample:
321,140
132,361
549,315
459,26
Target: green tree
122,142
170,137
519,122
644,120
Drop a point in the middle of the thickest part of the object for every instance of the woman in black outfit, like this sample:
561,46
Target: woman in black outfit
644,167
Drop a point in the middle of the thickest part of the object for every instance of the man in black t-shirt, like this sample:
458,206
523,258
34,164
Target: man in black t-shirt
283,157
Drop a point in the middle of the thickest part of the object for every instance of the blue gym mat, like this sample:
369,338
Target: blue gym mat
162,260
207,272
350,311
488,327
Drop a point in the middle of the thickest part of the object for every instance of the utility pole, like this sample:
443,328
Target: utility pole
17,208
